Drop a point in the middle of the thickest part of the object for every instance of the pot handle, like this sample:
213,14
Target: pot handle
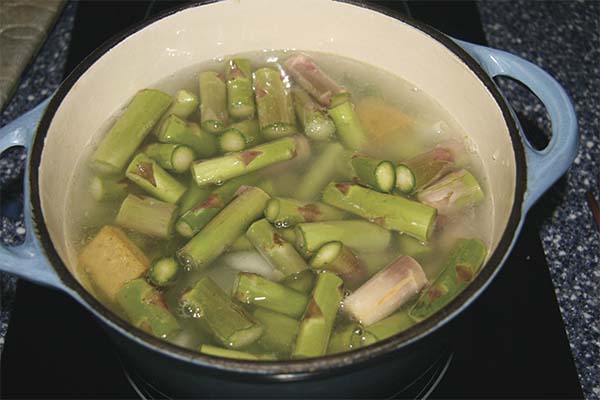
26,260
544,167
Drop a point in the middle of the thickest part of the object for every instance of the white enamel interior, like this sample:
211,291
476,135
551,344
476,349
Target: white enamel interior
233,26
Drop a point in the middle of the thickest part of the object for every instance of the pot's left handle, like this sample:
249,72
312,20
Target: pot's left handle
26,260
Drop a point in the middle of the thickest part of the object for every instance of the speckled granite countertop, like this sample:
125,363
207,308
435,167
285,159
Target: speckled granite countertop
561,37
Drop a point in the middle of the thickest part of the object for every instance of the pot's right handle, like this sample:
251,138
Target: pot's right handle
544,167
26,260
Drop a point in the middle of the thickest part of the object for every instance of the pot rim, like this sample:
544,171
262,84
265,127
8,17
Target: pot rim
288,369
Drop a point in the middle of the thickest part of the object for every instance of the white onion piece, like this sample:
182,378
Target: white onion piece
386,291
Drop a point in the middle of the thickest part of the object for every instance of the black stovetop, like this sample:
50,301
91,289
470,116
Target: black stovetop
512,342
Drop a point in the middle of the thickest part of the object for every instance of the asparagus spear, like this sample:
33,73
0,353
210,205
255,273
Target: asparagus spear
317,322
240,135
302,281
390,326
253,289
172,157
452,193
286,212
235,354
223,229
459,270
376,174
163,272
386,291
147,174
240,97
279,330
336,257
146,309
321,171
214,311
221,169
184,104
193,196
175,130
213,101
241,244
358,235
107,188
314,120
125,136
309,76
274,248
349,129
423,169
147,215
389,211
201,213
274,103
346,338
409,246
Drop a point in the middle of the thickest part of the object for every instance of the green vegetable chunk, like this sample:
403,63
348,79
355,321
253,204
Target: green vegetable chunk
460,270
147,174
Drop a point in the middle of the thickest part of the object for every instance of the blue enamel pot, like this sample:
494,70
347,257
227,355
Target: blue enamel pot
457,74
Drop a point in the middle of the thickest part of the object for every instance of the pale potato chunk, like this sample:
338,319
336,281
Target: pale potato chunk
111,260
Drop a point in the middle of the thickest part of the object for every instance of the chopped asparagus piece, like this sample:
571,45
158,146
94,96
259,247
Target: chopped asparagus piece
358,235
274,248
107,188
213,101
241,244
279,330
193,196
336,257
427,167
235,354
390,326
201,213
221,169
185,103
311,78
347,124
321,171
385,292
223,229
406,182
172,157
275,109
287,212
389,211
147,215
452,193
111,260
459,270
253,289
409,246
163,272
147,174
314,120
146,309
231,140
214,311
125,136
376,174
302,281
240,96
175,130
346,338
317,322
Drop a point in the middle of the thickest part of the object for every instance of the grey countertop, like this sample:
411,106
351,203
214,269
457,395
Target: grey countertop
562,37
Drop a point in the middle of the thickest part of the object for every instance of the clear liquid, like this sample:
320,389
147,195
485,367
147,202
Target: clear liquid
431,125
